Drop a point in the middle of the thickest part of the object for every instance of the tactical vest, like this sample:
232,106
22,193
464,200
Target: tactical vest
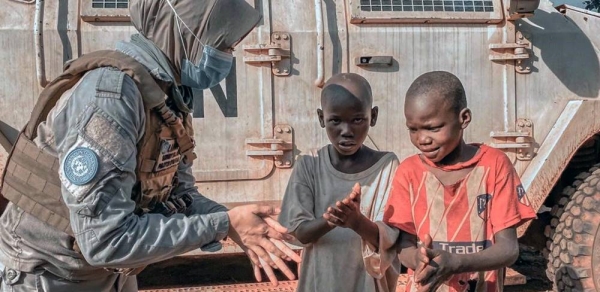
31,180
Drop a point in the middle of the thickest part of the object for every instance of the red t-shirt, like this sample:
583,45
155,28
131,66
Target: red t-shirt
461,218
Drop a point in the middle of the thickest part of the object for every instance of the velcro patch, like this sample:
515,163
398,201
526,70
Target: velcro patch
110,83
81,166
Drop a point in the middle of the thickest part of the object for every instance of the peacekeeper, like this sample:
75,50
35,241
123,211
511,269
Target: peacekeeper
99,183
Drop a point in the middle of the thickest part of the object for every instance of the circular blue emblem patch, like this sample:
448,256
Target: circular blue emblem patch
81,166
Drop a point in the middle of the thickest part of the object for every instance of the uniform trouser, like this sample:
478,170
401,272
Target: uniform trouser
42,280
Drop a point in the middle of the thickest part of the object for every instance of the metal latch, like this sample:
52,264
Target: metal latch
510,51
517,51
280,147
277,53
521,140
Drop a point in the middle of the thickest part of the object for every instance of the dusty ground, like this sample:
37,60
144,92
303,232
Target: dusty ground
193,271
531,264
222,270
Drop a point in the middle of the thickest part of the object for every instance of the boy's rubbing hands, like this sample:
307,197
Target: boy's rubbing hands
434,266
345,213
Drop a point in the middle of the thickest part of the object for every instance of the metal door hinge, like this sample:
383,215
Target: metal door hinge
521,140
277,53
280,147
517,51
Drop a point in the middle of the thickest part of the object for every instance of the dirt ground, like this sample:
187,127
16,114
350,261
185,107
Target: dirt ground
227,269
532,265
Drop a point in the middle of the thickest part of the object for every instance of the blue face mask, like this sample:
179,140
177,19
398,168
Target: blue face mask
212,68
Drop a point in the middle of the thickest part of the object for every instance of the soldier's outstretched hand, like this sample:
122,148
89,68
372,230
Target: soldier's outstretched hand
260,236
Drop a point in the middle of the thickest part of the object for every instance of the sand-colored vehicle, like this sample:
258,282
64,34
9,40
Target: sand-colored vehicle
531,72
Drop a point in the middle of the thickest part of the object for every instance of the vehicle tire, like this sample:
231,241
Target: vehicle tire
573,246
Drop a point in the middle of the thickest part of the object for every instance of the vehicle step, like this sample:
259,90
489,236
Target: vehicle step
512,278
284,286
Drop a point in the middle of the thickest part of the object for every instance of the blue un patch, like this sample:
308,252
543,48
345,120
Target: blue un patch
81,166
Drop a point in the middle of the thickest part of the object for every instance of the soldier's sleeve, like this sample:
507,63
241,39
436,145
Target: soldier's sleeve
187,185
105,120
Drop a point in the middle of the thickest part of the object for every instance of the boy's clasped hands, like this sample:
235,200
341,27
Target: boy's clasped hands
434,266
346,213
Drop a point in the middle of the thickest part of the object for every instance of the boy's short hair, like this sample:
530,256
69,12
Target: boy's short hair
444,84
348,83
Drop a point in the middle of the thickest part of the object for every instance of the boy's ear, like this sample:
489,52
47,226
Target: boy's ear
321,119
464,118
374,114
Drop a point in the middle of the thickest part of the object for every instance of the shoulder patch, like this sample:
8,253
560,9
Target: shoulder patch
482,205
81,166
110,83
522,195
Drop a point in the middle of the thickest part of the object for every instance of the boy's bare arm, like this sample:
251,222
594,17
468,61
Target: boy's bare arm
502,254
368,231
408,250
311,231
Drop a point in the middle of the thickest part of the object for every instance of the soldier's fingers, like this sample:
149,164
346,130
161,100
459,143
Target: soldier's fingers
264,211
271,275
263,256
287,250
284,268
270,247
275,225
257,273
253,258
273,233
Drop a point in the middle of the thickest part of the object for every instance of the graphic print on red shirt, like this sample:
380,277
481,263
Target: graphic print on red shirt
461,218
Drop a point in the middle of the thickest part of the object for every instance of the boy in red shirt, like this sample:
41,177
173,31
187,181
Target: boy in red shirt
463,201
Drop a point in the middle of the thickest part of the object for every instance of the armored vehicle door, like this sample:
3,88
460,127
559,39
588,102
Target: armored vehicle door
233,121
392,42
